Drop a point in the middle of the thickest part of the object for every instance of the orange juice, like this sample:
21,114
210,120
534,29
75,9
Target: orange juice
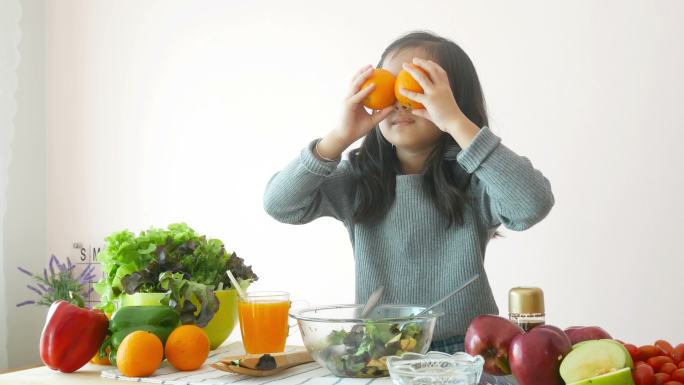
263,323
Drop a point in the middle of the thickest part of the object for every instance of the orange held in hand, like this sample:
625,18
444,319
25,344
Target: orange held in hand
406,81
383,94
187,347
139,354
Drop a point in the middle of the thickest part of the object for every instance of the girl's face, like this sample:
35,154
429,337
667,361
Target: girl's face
404,129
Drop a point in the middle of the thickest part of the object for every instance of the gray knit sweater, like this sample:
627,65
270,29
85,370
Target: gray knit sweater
411,251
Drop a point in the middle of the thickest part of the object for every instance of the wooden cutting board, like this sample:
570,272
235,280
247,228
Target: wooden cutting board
262,365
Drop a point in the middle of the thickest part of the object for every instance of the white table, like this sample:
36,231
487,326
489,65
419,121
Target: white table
309,374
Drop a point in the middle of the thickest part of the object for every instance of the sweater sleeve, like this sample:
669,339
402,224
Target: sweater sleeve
310,188
513,192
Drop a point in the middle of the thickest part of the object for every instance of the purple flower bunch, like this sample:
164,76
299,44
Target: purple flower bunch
60,283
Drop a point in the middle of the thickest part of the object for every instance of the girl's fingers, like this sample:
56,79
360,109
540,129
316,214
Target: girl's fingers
420,77
433,69
360,95
422,112
415,96
359,80
379,116
360,71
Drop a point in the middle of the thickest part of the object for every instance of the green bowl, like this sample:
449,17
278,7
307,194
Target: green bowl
220,326
142,299
223,322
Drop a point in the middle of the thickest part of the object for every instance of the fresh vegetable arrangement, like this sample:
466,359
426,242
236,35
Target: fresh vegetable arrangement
186,267
159,320
135,340
176,261
362,352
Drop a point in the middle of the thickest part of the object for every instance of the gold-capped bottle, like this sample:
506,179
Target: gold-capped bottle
526,307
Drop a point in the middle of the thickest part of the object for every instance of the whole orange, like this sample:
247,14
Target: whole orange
383,94
187,347
406,81
139,354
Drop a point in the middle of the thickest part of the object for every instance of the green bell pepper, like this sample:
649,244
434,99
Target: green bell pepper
160,320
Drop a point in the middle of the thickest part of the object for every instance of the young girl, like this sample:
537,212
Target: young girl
424,193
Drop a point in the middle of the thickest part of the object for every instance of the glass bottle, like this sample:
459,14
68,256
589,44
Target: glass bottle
526,307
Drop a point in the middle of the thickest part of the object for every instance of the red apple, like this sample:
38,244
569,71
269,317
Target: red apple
490,337
535,357
585,333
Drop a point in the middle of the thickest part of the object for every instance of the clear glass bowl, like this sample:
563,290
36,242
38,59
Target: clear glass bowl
349,346
435,368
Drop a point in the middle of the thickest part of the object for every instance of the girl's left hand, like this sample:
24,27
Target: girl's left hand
440,106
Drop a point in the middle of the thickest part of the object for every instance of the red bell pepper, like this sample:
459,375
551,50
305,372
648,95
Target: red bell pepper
71,336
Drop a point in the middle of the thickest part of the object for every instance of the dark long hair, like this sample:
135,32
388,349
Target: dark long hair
375,165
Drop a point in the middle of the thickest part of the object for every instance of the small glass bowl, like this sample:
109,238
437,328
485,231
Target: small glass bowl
435,368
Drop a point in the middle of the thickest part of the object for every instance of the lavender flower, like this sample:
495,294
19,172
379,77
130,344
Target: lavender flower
60,283
34,289
50,265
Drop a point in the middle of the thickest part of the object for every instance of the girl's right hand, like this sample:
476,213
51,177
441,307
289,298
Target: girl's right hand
355,122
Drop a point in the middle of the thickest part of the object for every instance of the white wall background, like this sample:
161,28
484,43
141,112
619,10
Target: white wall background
181,111
22,176
10,36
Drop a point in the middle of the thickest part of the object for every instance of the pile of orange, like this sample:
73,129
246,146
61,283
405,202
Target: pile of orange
387,87
141,352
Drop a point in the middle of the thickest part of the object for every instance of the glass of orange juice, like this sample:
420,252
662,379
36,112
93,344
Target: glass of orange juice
263,321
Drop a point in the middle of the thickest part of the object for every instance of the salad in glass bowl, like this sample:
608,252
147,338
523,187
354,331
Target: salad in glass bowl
350,346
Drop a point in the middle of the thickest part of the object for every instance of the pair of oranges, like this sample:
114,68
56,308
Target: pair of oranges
141,352
387,87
